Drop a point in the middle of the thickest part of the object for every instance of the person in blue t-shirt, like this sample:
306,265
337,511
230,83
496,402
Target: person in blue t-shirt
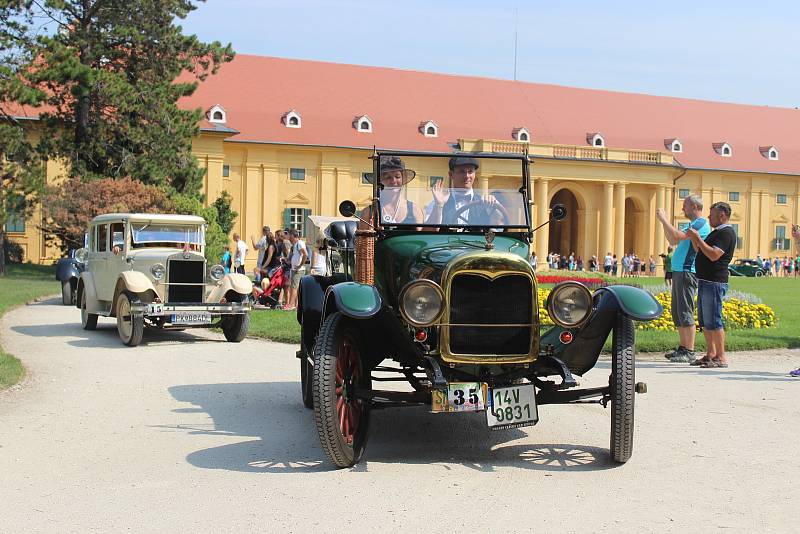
684,281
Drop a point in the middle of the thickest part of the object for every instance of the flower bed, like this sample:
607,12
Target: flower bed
556,278
737,313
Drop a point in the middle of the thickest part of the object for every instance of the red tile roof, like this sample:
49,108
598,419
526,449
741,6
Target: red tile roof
257,91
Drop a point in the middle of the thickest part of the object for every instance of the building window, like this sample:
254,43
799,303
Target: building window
739,240
674,145
523,137
429,129
683,193
780,199
226,171
292,119
780,242
733,196
773,154
596,139
521,134
297,174
363,124
217,114
366,178
726,151
15,223
296,218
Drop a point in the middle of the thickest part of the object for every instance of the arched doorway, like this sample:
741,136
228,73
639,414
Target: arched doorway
634,224
563,236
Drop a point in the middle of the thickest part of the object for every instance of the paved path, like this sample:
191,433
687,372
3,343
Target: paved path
187,433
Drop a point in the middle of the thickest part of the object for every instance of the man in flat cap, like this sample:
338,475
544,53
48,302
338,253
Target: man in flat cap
447,204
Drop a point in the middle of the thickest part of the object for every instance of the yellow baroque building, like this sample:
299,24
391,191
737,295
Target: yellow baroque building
289,138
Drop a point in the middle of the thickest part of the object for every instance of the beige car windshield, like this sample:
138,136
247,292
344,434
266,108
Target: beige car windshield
167,235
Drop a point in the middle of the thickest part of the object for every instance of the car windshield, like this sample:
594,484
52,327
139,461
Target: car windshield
167,235
474,192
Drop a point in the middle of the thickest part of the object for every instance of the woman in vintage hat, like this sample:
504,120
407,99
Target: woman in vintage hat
395,208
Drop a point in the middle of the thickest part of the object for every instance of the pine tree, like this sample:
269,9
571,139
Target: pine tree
114,71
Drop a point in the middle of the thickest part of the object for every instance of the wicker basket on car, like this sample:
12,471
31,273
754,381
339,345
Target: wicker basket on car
365,256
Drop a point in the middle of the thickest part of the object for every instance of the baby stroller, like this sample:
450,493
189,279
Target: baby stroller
269,297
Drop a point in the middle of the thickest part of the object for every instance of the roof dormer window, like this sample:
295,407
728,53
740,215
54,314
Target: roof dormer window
429,129
723,149
521,134
595,139
217,114
769,152
363,123
673,145
292,119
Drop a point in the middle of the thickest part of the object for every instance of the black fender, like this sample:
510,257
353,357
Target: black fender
68,269
581,354
311,302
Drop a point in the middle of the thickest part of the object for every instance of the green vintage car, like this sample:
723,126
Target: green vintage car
746,267
436,291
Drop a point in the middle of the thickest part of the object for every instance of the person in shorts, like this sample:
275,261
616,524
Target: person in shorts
684,280
667,266
714,256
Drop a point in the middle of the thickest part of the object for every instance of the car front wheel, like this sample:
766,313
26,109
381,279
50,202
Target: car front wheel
88,320
622,389
759,274
235,327
341,415
67,295
129,325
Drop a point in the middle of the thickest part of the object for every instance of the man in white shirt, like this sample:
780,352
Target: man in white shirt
298,258
261,245
607,263
241,254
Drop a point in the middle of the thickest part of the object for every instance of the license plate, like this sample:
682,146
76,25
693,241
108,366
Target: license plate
512,407
460,397
191,318
155,309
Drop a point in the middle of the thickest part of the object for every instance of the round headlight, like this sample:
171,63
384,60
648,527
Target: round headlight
421,302
569,304
217,272
158,271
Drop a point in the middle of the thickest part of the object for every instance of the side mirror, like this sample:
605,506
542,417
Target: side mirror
81,255
558,212
347,208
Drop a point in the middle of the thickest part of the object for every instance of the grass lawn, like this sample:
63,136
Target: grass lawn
21,284
779,293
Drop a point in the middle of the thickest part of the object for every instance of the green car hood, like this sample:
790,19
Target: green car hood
403,258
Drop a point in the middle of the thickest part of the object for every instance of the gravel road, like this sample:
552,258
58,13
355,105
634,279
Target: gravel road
188,433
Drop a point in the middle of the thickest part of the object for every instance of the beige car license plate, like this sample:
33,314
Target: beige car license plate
191,318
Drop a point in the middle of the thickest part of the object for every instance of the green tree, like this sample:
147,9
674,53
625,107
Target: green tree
113,72
21,168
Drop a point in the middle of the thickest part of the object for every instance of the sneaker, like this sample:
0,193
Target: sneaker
683,355
670,353
795,373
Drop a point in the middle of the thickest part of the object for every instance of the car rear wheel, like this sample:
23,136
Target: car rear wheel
342,417
88,320
622,389
129,325
67,295
759,274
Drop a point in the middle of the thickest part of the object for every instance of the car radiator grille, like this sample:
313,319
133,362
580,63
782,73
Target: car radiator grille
476,300
186,272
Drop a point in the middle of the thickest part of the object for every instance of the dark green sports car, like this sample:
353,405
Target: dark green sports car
435,290
746,268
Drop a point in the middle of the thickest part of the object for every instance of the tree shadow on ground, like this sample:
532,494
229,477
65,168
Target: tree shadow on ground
287,438
106,336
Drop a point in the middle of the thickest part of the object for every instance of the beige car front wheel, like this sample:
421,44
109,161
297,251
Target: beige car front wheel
88,320
129,325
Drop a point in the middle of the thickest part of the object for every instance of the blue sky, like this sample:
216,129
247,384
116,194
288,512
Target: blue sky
734,51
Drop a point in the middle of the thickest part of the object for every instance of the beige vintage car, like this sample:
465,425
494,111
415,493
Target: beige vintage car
149,270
